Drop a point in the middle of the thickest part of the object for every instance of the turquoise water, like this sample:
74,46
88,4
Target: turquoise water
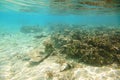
59,40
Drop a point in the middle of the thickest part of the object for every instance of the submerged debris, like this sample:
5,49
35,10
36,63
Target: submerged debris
90,46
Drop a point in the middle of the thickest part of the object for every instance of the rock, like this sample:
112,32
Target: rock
65,66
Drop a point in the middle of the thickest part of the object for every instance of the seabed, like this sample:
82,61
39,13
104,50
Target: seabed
33,55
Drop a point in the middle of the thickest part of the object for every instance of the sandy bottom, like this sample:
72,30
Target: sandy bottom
18,50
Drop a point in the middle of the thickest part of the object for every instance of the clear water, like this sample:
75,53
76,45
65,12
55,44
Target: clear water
15,14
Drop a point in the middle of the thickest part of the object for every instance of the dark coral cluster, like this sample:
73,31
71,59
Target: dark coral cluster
95,46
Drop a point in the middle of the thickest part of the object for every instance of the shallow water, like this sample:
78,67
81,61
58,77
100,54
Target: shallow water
29,28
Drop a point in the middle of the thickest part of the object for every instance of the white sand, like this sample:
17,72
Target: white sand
15,63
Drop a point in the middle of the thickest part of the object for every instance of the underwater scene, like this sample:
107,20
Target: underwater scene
59,39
